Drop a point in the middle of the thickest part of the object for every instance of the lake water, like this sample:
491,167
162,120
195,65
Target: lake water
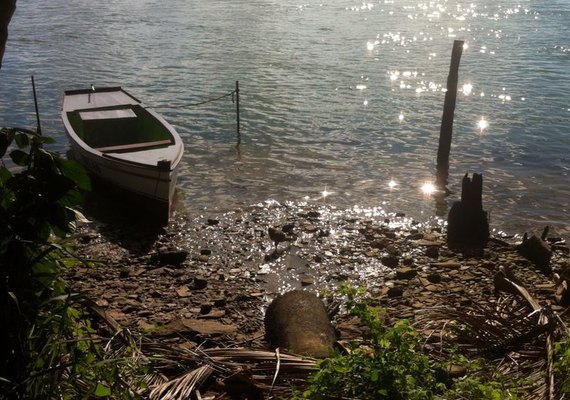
337,97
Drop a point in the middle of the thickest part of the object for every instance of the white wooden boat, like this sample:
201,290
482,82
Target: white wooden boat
122,142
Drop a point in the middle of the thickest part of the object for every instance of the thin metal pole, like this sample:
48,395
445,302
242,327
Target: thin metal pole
237,112
39,129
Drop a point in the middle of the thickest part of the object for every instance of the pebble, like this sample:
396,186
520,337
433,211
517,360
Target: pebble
229,279
390,261
199,283
405,273
395,291
183,291
447,265
432,251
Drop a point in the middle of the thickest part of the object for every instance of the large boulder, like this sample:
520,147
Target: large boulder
297,321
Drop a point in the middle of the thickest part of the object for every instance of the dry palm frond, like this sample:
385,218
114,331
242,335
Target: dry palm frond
233,370
263,363
179,372
183,386
508,335
518,328
153,379
483,329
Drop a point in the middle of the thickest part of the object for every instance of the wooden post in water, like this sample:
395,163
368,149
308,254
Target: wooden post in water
237,113
449,108
39,129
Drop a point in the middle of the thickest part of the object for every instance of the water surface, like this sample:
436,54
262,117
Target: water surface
337,97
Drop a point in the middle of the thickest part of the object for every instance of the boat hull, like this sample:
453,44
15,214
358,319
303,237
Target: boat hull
146,170
150,183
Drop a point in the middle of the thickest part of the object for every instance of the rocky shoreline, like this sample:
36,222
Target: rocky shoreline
206,281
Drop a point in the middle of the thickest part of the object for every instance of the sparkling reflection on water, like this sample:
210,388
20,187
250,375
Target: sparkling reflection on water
338,96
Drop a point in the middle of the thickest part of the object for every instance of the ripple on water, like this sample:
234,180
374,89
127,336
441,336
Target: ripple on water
344,95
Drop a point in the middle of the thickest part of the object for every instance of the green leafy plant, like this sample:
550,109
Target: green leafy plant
473,388
482,380
562,363
389,364
48,347
71,360
38,190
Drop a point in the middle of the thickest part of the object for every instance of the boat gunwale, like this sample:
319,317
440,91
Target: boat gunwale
176,139
109,89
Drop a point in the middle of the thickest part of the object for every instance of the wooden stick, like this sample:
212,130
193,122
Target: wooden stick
39,129
449,108
237,113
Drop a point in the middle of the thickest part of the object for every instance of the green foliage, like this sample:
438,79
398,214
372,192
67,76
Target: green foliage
562,363
388,365
37,199
474,388
48,347
71,362
37,196
483,382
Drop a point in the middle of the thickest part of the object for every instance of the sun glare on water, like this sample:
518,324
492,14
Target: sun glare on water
482,124
325,193
428,188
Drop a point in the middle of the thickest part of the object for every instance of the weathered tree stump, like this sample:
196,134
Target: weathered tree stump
297,321
467,224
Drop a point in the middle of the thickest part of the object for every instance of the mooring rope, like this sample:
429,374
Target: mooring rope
202,102
235,100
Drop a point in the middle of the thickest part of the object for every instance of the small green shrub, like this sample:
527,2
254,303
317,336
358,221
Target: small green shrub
48,348
562,363
389,364
37,196
70,360
478,388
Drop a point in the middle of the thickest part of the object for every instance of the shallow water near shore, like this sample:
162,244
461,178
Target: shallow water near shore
338,98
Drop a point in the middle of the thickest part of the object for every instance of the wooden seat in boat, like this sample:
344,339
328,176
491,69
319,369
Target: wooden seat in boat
133,146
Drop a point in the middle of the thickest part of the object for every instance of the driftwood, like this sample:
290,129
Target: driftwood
467,224
537,250
562,282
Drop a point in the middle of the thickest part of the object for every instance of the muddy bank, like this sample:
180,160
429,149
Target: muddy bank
207,280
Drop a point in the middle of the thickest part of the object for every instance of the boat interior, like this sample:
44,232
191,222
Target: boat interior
117,129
